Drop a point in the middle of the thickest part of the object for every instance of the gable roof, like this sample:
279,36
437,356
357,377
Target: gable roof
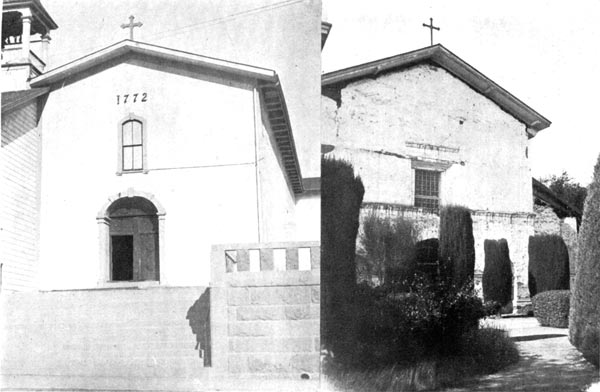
127,46
14,99
560,206
268,84
333,82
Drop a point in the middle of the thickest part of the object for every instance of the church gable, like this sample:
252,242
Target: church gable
108,66
334,82
424,114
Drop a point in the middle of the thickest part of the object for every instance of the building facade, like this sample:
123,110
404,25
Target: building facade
425,129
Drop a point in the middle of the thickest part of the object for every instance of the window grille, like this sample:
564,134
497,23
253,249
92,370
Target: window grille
427,189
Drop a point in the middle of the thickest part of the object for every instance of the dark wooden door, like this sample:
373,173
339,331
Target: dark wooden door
143,234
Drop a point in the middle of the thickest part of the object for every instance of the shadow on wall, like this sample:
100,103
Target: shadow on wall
198,316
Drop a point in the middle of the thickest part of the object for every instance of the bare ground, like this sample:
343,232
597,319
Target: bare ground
548,361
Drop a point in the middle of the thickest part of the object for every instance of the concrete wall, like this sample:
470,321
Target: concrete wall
424,112
201,154
148,339
265,310
19,198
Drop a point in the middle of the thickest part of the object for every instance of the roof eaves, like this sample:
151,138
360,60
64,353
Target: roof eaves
279,122
21,99
126,46
444,58
546,194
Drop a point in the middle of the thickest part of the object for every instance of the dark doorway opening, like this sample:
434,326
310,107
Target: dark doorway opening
134,240
122,257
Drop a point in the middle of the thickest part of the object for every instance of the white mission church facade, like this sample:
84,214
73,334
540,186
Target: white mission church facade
128,164
142,188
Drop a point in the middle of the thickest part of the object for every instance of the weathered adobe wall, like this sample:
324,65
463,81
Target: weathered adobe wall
515,228
265,318
424,112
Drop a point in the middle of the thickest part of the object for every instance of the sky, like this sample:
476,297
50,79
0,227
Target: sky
543,52
282,35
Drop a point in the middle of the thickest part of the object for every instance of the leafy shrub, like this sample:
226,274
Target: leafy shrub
457,245
548,264
390,248
497,273
341,197
402,327
551,308
584,323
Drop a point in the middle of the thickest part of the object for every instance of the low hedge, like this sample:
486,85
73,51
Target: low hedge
551,308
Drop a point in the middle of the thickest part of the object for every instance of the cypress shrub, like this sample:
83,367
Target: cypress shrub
548,264
390,248
457,245
341,197
497,273
551,308
584,323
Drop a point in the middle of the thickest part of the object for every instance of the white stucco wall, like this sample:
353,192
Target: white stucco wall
427,105
201,160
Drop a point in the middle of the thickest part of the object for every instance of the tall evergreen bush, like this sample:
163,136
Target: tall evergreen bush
584,316
457,245
341,197
548,264
389,244
497,272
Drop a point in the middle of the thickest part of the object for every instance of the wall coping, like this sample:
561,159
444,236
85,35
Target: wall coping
431,211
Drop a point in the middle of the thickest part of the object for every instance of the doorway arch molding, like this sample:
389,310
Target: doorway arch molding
103,221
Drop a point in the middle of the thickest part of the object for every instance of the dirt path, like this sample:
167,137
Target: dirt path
548,362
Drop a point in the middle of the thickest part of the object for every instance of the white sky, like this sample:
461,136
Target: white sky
543,52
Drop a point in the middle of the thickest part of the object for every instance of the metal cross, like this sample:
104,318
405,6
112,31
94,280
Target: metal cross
130,26
431,27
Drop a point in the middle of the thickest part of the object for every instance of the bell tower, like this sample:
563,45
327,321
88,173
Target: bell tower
26,27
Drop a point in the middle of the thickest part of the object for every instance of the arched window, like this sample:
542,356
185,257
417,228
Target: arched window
132,145
133,230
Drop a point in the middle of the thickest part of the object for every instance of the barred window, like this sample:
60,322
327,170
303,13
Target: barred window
427,188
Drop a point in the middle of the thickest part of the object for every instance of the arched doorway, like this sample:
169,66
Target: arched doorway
133,240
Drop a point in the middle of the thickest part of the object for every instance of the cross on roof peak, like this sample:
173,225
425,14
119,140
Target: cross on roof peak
131,26
431,27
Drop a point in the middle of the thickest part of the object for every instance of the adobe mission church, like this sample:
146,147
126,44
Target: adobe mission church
425,129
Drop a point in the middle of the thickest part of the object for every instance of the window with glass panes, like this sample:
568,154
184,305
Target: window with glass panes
133,148
427,188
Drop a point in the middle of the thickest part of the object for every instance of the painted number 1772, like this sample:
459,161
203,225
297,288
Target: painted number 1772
132,98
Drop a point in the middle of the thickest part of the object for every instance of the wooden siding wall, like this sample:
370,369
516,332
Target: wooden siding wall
19,198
